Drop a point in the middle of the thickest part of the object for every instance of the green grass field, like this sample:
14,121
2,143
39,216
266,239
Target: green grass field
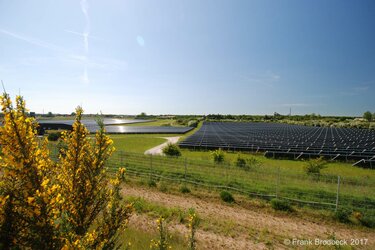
137,143
292,166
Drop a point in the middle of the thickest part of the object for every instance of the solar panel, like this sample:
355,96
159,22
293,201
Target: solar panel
284,139
112,127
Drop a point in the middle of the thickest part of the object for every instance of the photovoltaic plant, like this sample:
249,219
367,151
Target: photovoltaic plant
284,140
113,126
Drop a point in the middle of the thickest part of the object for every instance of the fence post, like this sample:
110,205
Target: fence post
338,192
150,167
278,182
226,176
185,170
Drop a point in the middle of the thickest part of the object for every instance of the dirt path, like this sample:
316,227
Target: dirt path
254,228
205,239
158,150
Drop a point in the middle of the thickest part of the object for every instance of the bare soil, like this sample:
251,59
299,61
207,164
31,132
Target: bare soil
236,227
158,150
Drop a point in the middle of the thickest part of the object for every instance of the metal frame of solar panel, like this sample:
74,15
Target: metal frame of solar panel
286,140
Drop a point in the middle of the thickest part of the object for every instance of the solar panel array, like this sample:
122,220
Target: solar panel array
286,140
145,130
92,122
112,126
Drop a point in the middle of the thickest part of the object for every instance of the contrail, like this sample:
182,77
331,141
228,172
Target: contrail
31,40
85,34
84,8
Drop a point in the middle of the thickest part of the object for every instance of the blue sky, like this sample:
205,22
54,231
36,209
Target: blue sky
190,57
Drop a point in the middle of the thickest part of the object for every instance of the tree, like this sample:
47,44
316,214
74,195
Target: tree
193,123
368,116
69,204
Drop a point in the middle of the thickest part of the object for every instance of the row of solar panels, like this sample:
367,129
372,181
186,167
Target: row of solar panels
91,122
279,139
112,128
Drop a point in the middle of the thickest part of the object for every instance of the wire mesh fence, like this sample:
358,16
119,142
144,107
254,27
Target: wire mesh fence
321,191
324,191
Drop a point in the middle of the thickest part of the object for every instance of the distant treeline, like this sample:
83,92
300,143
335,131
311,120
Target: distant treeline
276,116
306,120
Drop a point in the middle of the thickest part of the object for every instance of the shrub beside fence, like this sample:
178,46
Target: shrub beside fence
322,191
315,190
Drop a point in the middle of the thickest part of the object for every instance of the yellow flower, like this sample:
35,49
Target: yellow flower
30,200
45,183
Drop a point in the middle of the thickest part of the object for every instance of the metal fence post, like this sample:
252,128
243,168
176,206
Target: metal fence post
278,182
227,176
185,170
150,167
338,192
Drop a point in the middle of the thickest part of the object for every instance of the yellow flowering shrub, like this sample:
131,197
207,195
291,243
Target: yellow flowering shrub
162,242
68,204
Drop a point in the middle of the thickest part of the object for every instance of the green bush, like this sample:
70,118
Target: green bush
184,189
226,196
172,150
218,156
193,123
343,215
240,162
367,221
54,136
281,205
314,166
247,163
253,162
151,183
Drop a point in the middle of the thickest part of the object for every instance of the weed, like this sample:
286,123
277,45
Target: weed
151,183
281,205
184,189
343,215
226,196
163,187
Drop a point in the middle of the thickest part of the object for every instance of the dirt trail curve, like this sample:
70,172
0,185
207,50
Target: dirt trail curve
158,150
256,221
